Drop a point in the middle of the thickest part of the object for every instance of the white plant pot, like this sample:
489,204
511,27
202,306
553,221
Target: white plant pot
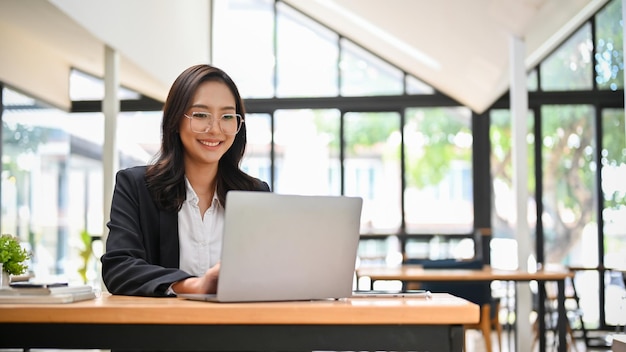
5,279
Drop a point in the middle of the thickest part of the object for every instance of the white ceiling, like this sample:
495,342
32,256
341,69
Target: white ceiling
460,47
42,40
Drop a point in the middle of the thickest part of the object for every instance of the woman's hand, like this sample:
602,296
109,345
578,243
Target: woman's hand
206,283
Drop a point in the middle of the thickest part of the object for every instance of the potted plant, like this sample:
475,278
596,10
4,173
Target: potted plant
12,258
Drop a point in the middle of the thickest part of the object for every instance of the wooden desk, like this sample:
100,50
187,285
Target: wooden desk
121,322
415,273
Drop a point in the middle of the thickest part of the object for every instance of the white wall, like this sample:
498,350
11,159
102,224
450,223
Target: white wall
163,37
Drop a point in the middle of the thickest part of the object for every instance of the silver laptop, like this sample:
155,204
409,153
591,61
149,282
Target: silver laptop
280,247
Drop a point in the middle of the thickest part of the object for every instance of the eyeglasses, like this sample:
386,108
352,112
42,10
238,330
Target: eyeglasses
202,122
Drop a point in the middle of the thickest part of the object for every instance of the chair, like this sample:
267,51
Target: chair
476,292
573,311
574,321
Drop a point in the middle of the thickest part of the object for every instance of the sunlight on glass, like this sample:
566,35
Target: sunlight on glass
363,74
372,168
256,161
51,182
52,177
307,53
569,67
87,87
438,151
568,182
416,86
614,187
609,51
247,55
307,152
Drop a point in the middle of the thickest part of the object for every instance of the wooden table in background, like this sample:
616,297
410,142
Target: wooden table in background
415,273
122,322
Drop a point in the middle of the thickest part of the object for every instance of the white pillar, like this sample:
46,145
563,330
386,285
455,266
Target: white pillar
110,108
519,131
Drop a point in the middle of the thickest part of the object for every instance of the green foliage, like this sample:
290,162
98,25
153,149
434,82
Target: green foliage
327,125
568,136
24,138
369,129
439,131
428,161
20,140
570,66
12,256
85,254
609,47
363,131
567,149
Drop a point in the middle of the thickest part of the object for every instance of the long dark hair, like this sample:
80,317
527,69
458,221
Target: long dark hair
165,177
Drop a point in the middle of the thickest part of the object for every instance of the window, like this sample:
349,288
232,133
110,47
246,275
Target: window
568,169
609,51
50,165
503,216
614,211
306,144
363,74
257,160
569,67
438,171
307,56
372,168
247,55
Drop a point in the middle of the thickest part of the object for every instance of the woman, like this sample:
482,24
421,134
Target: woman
165,231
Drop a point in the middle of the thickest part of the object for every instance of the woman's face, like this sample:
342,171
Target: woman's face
207,147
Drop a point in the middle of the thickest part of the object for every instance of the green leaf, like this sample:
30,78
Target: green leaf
12,256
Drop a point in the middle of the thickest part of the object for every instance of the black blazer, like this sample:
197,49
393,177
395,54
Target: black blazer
142,251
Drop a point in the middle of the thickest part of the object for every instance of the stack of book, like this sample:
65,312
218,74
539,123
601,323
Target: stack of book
29,292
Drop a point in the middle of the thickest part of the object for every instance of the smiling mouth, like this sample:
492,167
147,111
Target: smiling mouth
210,144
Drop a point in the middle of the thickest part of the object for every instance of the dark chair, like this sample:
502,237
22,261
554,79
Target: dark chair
573,311
476,292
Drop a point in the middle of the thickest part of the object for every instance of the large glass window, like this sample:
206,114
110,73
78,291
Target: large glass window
613,187
614,212
568,169
363,74
86,87
257,160
438,171
372,168
359,155
569,67
307,56
609,47
243,42
416,86
51,182
569,216
306,152
52,192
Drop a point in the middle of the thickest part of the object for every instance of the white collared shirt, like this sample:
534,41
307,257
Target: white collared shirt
199,237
